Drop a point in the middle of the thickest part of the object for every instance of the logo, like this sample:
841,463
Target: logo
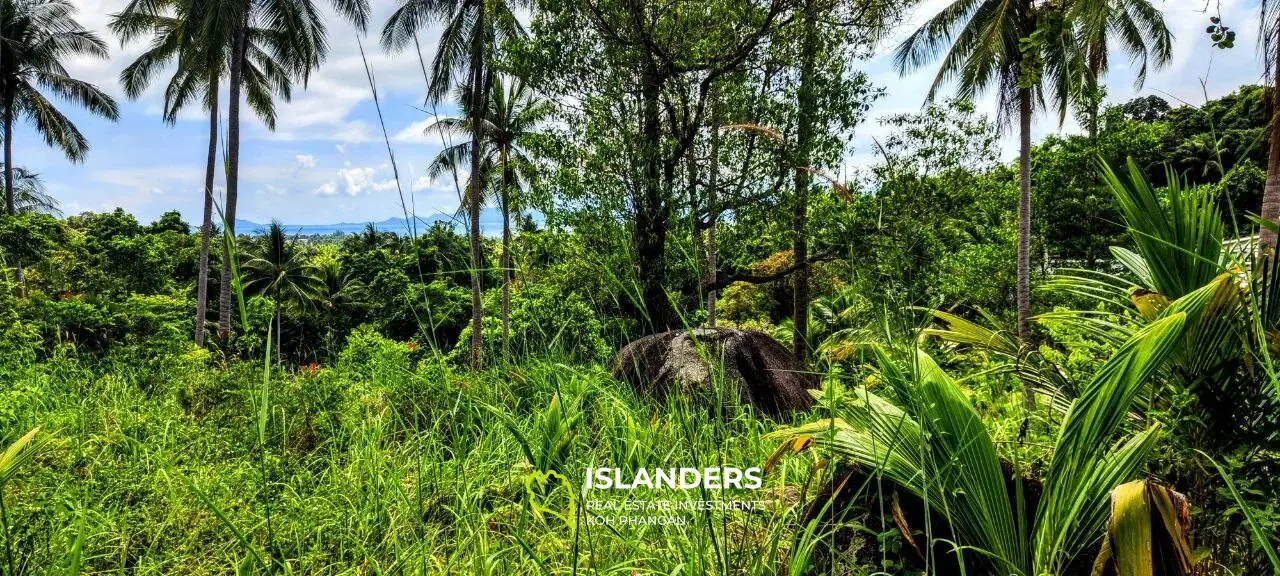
682,478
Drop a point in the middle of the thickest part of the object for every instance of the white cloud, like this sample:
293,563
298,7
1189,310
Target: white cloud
327,189
356,181
418,133
305,160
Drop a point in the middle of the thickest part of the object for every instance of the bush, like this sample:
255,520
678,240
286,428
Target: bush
543,319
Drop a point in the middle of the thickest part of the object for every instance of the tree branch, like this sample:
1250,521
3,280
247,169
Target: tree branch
722,282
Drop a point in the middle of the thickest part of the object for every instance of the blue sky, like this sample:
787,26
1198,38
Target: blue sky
327,161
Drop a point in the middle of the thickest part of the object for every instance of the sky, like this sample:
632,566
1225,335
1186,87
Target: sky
327,161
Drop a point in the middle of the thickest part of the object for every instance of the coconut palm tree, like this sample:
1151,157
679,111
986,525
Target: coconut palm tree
298,30
1135,26
281,271
1030,53
35,38
199,42
512,118
473,31
982,46
1269,38
30,194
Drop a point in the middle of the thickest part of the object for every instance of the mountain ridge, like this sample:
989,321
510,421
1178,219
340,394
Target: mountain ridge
490,222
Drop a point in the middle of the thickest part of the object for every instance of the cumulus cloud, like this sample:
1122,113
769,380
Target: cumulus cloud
305,160
327,189
357,180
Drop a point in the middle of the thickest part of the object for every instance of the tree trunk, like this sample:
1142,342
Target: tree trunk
206,223
713,180
800,217
1271,192
236,78
506,260
11,193
695,208
1024,231
1095,97
10,198
279,340
652,210
476,186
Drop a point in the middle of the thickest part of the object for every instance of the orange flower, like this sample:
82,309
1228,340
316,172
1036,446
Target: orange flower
413,345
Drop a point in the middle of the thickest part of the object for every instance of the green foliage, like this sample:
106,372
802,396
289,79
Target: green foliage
936,225
543,321
28,238
400,460
930,441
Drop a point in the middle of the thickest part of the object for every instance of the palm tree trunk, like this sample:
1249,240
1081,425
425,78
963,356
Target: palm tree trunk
476,185
10,193
236,78
1024,231
206,223
10,199
506,260
1271,192
1095,98
279,340
804,136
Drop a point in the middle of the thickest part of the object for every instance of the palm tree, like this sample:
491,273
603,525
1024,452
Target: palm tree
473,30
298,31
986,52
512,118
1269,38
35,37
1136,26
283,273
1028,52
202,51
30,194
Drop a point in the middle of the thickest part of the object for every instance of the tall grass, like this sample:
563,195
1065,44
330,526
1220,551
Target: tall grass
377,464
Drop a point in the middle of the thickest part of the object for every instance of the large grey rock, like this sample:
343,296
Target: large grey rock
763,372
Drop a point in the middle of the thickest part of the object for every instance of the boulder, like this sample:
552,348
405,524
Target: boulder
763,372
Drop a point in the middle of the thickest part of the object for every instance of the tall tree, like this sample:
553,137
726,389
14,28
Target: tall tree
36,36
642,72
807,17
198,41
1269,38
825,30
281,271
1135,26
473,32
299,40
514,114
1023,51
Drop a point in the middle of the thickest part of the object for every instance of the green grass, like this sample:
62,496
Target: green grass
379,464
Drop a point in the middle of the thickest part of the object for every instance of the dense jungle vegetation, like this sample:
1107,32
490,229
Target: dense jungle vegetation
1058,365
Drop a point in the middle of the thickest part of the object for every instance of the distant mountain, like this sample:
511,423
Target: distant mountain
490,224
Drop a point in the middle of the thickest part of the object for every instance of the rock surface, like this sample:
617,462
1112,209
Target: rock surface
764,373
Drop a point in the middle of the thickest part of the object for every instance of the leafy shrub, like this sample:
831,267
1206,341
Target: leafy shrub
543,319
